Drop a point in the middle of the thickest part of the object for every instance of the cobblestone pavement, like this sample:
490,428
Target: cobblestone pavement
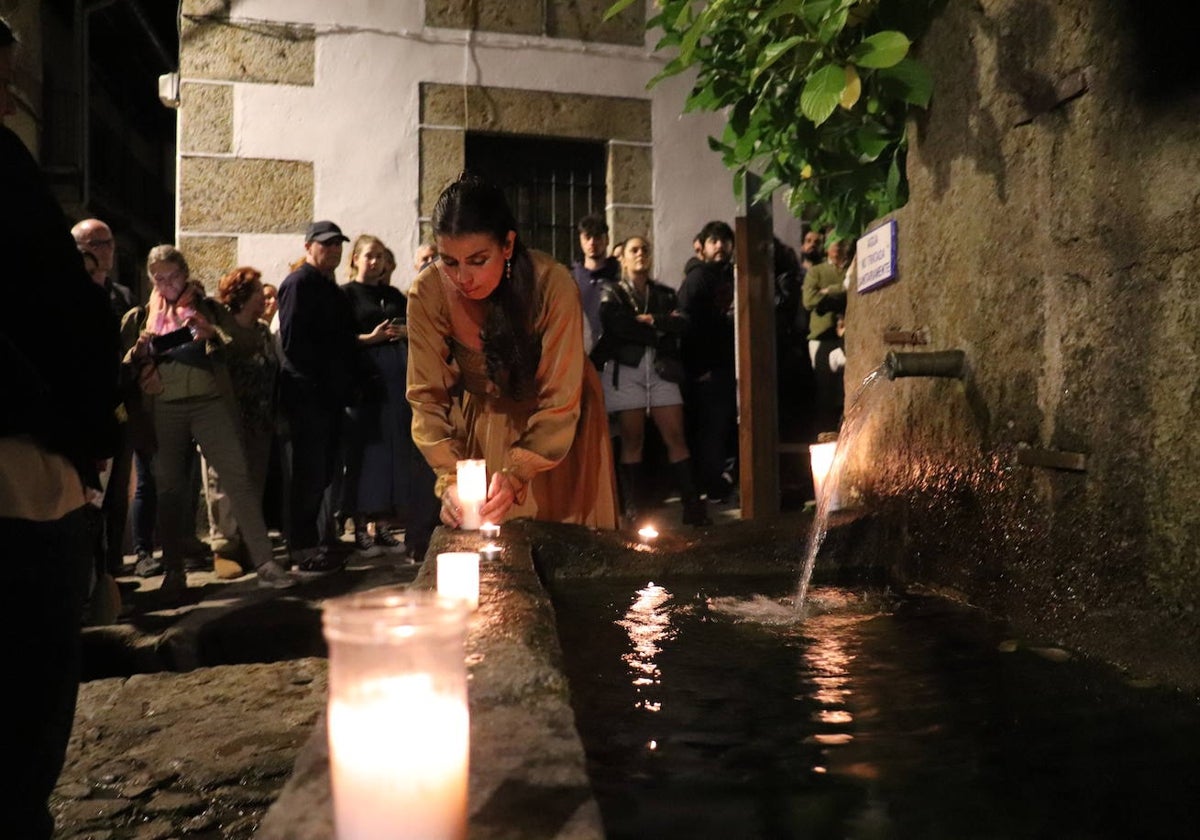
190,718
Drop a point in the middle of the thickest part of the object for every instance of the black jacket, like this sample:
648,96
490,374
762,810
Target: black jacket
59,348
706,300
623,337
319,336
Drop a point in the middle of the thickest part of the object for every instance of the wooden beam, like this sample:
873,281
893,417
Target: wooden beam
758,406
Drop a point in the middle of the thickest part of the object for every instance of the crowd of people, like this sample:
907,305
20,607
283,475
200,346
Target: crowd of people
356,401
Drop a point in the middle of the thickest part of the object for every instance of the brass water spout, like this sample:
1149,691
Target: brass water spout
948,364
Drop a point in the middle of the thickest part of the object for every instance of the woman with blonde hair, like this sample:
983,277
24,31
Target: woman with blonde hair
176,349
387,482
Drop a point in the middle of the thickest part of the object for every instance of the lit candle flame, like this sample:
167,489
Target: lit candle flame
648,532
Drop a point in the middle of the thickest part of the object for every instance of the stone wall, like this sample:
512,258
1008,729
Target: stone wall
1051,234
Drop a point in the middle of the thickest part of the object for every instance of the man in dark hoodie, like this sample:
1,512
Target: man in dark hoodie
57,427
709,355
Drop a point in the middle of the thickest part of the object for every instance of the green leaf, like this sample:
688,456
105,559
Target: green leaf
822,92
871,143
912,80
785,7
772,53
883,49
815,11
893,181
616,8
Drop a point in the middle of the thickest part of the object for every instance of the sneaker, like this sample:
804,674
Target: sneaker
364,545
385,540
174,585
146,565
273,576
316,562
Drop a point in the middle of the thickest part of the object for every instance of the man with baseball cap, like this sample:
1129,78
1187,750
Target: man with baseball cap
319,340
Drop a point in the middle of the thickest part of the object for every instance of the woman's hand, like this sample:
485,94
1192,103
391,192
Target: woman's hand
501,496
645,318
201,329
141,349
451,507
384,331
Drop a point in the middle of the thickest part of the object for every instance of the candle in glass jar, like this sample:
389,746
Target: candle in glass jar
472,492
398,761
458,576
398,723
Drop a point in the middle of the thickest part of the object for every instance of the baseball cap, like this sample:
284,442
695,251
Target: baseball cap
325,232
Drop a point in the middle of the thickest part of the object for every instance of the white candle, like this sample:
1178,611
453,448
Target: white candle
821,457
489,530
398,723
490,552
648,533
472,492
458,576
398,753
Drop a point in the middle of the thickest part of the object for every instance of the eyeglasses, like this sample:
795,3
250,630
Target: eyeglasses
97,243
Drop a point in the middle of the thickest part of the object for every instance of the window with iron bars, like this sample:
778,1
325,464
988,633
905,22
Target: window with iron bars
550,183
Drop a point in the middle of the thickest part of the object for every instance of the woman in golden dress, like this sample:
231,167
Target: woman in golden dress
497,371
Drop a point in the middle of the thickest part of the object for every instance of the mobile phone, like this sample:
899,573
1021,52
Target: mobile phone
160,344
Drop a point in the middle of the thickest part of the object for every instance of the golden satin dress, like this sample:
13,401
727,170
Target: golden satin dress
555,442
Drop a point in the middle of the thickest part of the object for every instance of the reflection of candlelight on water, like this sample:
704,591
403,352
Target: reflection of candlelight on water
490,552
648,533
489,530
647,623
458,576
472,492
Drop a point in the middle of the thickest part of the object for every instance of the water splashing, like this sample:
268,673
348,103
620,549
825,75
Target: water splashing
852,426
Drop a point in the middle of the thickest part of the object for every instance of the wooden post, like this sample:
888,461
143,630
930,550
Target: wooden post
758,404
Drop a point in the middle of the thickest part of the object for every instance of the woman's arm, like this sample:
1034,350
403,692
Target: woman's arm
431,378
619,320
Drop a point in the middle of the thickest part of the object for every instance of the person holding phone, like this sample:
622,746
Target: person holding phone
387,482
176,352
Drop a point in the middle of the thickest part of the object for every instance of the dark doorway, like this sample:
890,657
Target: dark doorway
550,183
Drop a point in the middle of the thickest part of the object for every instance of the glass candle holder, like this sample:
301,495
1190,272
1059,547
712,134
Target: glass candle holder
489,530
821,459
458,576
472,492
398,721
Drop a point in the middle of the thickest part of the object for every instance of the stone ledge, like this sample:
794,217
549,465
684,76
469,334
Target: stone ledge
528,771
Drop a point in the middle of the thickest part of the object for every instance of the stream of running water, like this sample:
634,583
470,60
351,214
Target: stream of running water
852,426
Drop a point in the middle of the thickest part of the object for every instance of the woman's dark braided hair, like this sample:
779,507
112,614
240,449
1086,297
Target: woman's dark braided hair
511,346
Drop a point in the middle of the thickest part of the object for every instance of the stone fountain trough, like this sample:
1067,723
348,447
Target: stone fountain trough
528,774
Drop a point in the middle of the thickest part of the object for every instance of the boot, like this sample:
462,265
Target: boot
695,511
628,476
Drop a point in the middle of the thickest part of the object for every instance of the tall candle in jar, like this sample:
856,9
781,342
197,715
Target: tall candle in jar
398,724
472,492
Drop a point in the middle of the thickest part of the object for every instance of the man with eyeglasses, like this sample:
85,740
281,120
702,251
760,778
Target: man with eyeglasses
94,237
56,423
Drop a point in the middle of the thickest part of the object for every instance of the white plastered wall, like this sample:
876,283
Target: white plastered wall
359,123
